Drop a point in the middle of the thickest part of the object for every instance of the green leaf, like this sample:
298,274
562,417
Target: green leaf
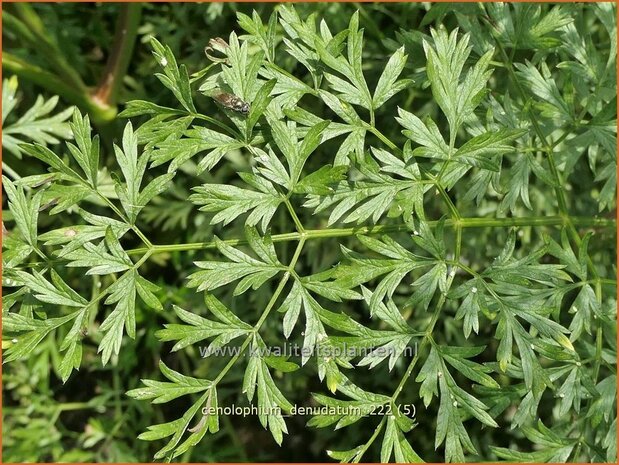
262,35
198,328
341,109
71,360
332,290
452,397
50,158
475,151
37,125
445,62
296,154
178,386
428,376
123,294
291,306
174,77
242,72
35,330
98,259
9,89
87,151
164,391
280,363
468,311
251,272
518,185
133,168
56,292
355,51
271,402
392,349
388,84
603,406
322,181
347,412
314,330
288,89
399,264
450,429
259,105
378,195
456,357
554,447
197,140
544,86
388,312
395,443
74,237
425,134
25,212
142,107
230,201
504,319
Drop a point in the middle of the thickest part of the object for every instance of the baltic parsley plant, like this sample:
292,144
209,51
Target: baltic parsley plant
524,342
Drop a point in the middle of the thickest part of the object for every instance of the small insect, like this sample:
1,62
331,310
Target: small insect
231,102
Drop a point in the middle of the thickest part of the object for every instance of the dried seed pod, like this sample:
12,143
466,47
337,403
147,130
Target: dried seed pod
218,45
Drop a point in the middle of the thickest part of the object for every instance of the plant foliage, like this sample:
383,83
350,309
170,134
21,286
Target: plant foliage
453,199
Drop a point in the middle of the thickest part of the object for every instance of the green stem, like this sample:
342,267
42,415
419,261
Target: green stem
6,169
57,86
385,140
549,149
120,56
437,311
67,407
598,281
598,353
293,215
65,81
233,360
371,25
145,257
455,214
134,228
233,132
538,130
391,228
370,441
265,314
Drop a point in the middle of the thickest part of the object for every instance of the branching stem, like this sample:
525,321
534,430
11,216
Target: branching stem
265,314
465,223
